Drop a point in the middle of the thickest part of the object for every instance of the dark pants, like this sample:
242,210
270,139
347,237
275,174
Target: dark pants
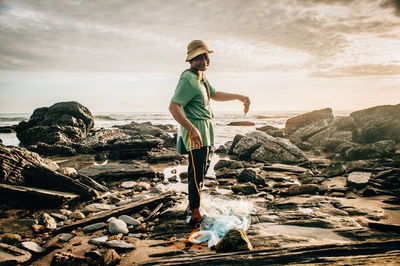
201,164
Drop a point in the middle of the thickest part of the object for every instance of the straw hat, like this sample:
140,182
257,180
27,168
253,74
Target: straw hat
196,48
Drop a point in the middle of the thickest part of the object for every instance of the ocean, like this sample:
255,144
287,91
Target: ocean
223,132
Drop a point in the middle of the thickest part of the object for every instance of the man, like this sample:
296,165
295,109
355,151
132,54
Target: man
190,107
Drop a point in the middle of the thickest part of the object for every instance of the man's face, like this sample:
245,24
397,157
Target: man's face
200,62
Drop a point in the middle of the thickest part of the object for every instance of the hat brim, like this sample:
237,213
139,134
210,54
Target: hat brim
197,52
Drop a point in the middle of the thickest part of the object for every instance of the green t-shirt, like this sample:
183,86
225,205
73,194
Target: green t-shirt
191,95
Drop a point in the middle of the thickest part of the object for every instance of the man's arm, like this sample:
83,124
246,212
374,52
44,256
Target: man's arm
179,116
224,96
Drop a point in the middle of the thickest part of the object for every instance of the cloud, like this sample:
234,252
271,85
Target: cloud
359,70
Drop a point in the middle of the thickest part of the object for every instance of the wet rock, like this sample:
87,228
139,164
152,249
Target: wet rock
119,244
173,178
94,227
227,175
78,215
245,189
49,221
10,239
98,241
224,148
311,189
64,122
261,147
66,258
333,169
32,247
117,226
302,127
355,151
128,184
230,164
111,257
248,175
164,156
129,220
358,179
8,129
66,237
96,207
234,240
273,131
110,171
241,123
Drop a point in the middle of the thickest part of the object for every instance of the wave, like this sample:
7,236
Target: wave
16,119
105,117
271,116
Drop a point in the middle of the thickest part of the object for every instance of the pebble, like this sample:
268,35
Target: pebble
128,184
38,227
129,220
66,237
65,212
173,178
49,222
93,227
78,215
117,226
96,207
111,257
138,235
165,182
97,241
142,186
119,244
59,216
115,237
10,239
32,247
93,254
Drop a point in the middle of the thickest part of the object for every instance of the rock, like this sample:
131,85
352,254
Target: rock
65,212
338,194
224,148
261,147
234,240
117,226
32,247
333,169
119,244
142,186
273,131
369,192
354,151
129,220
241,123
66,237
66,258
49,221
234,142
10,239
11,255
128,184
96,207
164,156
111,257
378,123
304,126
94,254
230,164
246,189
285,168
311,189
358,179
8,129
94,227
248,175
78,215
69,171
173,178
110,171
64,122
227,175
59,216
98,241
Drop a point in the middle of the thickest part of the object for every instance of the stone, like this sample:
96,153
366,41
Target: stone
173,178
355,151
246,189
119,244
94,227
66,237
228,164
65,212
96,207
285,168
338,194
98,241
78,215
137,235
10,238
249,175
234,240
11,255
117,226
311,189
32,247
94,254
129,220
273,131
142,186
369,192
128,184
59,216
241,123
118,171
66,258
333,169
48,221
358,179
111,257
69,171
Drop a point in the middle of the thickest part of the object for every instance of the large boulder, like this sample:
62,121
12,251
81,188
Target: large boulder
259,146
302,127
354,151
378,123
63,122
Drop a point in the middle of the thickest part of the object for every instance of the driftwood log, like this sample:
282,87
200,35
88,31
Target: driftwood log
343,254
126,209
33,198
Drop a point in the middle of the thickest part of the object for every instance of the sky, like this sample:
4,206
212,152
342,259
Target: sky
127,56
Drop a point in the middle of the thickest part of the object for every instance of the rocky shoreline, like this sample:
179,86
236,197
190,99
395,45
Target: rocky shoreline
309,179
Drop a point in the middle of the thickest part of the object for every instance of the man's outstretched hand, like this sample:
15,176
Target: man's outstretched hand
246,102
